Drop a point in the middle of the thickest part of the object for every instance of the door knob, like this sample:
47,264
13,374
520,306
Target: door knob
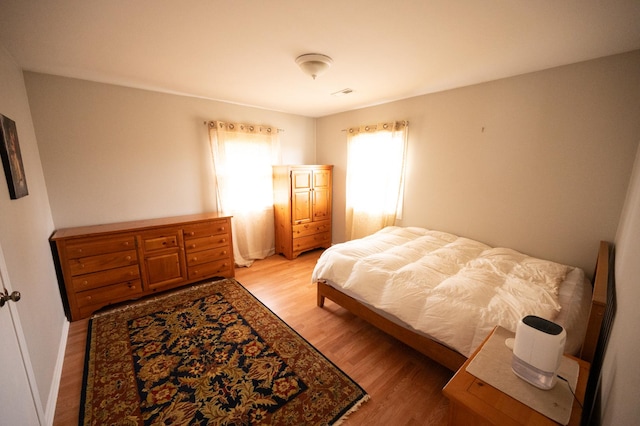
4,298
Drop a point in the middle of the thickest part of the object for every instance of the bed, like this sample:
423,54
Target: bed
442,294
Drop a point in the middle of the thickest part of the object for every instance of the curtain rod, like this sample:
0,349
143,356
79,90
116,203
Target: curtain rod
405,122
206,123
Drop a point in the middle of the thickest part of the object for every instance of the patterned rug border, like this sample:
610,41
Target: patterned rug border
336,421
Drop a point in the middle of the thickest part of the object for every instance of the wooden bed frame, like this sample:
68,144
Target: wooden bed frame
453,360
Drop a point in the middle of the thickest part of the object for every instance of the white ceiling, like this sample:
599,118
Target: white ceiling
243,51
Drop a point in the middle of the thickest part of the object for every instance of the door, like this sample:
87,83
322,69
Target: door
17,399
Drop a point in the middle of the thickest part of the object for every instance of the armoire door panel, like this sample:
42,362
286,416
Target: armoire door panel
301,207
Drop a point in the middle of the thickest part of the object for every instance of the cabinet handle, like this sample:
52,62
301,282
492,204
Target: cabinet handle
195,259
191,234
192,246
128,258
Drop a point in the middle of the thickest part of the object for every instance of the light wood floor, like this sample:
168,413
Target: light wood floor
405,387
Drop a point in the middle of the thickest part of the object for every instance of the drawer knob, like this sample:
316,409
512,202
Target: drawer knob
191,234
192,246
194,259
128,258
85,282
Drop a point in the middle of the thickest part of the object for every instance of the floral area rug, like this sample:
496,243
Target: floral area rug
211,354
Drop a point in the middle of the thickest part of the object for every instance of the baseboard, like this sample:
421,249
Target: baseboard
52,400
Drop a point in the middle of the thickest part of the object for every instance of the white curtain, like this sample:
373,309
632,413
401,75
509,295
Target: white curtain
375,177
243,156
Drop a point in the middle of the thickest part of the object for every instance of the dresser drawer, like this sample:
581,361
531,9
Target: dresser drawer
206,256
311,228
205,229
220,267
105,295
104,278
205,243
94,246
87,265
160,243
317,240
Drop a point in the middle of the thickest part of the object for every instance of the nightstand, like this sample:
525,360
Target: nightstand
474,402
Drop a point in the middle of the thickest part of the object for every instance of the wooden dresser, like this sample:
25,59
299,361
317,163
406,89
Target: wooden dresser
302,208
105,264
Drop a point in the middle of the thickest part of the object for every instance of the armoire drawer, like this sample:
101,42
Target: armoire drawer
312,241
311,228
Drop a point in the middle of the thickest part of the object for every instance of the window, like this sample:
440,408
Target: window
375,177
243,156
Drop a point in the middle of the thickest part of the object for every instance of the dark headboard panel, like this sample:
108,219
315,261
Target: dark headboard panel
604,305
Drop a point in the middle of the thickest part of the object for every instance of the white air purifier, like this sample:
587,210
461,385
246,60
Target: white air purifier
537,351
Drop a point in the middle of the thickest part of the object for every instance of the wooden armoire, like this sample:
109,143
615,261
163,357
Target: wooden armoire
302,208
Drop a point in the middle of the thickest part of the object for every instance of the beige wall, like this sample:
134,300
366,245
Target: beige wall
538,162
112,154
25,227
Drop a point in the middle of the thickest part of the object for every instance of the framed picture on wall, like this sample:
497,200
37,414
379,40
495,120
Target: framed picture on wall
12,159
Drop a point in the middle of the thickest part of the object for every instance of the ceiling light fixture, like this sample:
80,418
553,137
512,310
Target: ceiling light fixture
342,92
314,64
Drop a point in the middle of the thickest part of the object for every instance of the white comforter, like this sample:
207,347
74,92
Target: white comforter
451,288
